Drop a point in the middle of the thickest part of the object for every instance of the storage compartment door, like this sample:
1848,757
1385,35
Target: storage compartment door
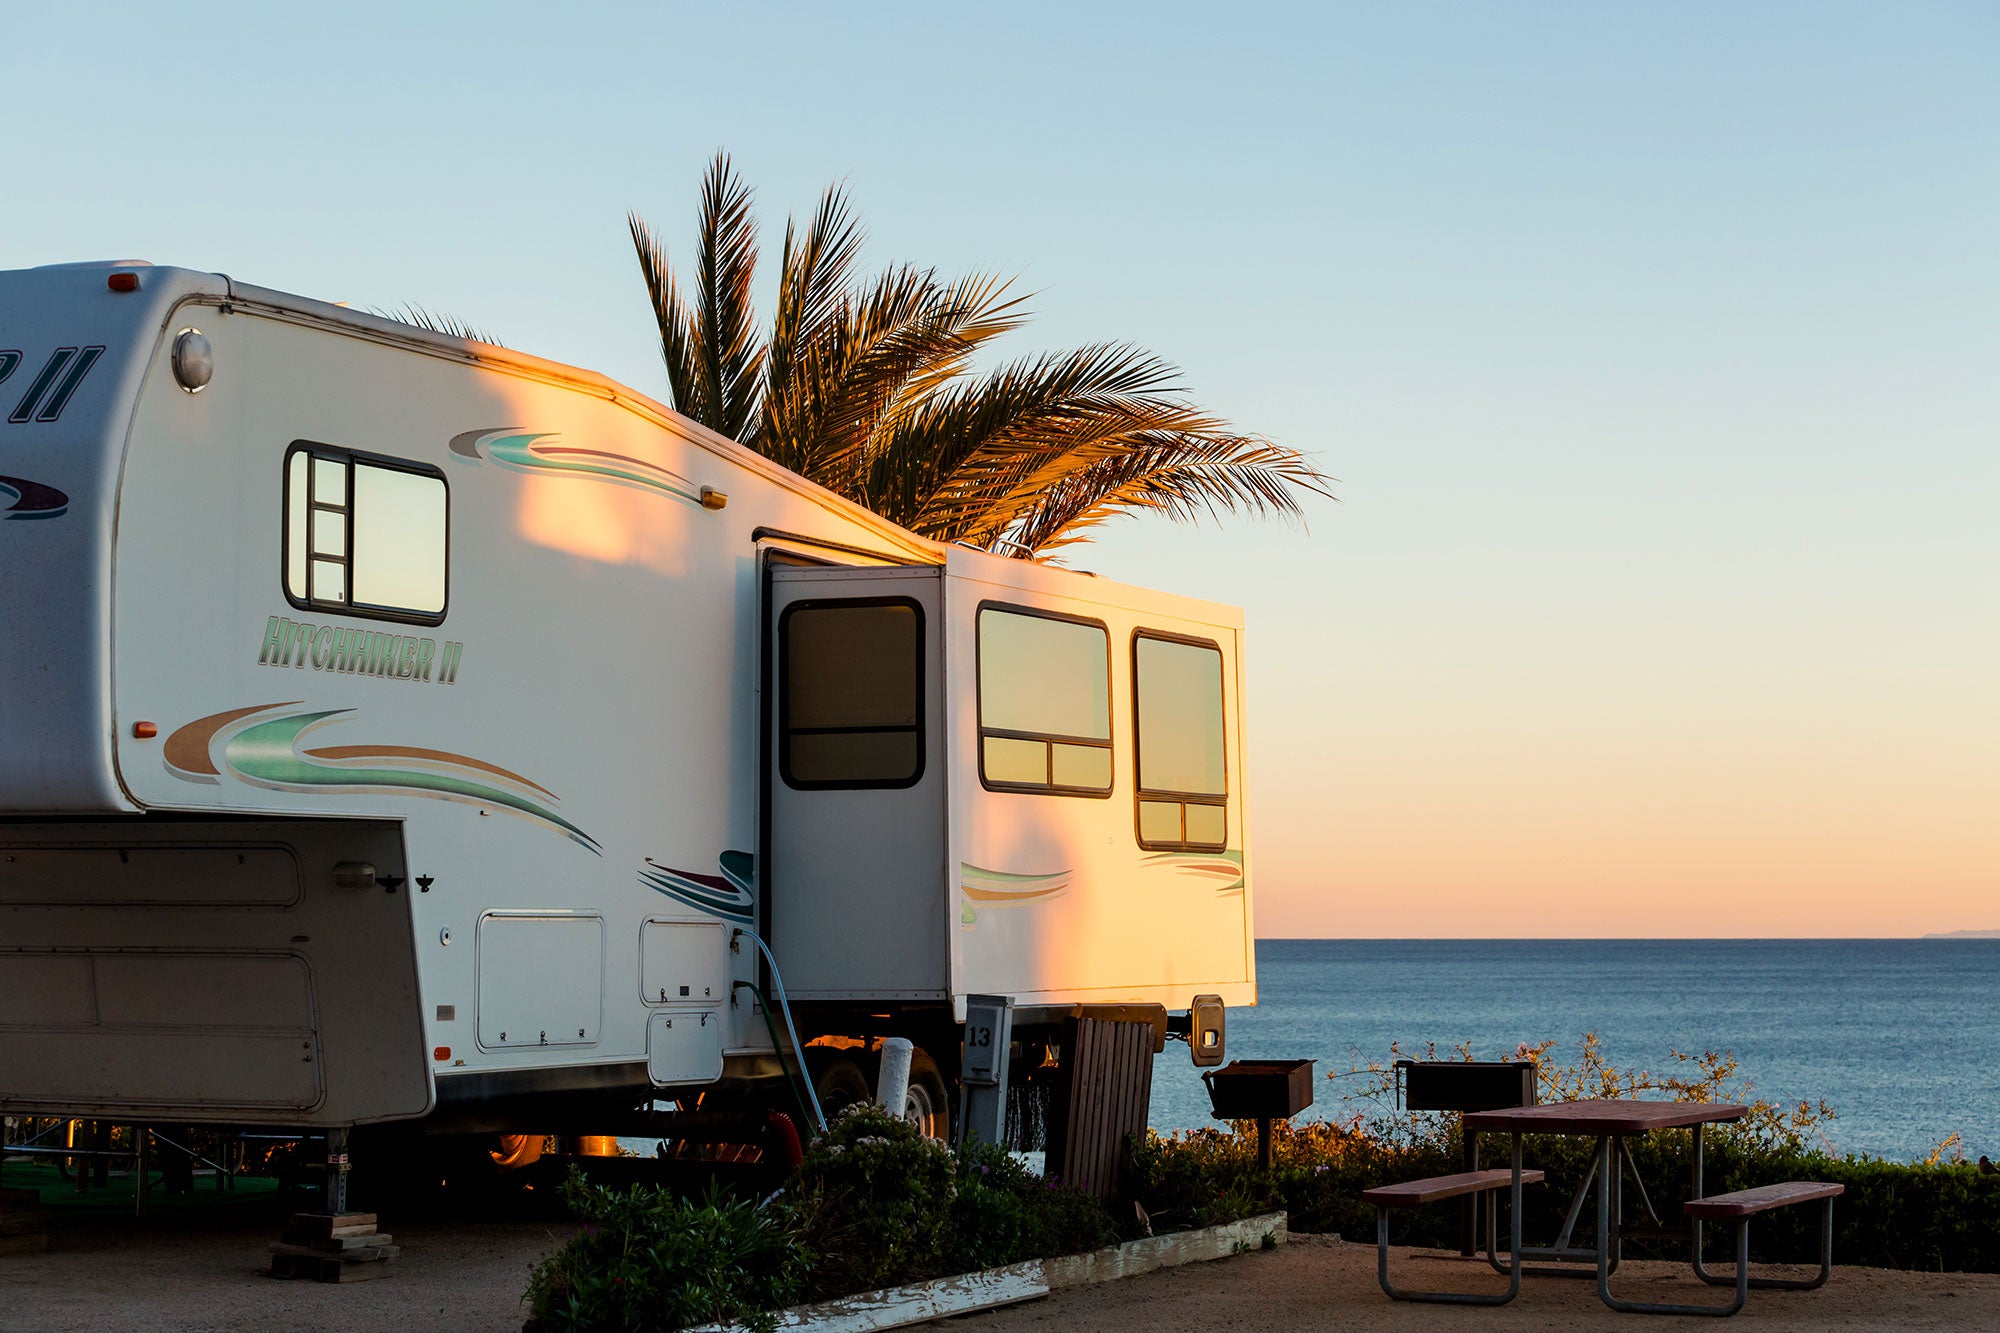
856,890
683,1046
541,979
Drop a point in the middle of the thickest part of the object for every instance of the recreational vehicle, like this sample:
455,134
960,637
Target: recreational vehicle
396,728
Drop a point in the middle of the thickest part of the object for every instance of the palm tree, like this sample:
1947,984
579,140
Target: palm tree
866,387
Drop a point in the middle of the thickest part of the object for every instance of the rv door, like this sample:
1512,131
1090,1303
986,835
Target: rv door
855,897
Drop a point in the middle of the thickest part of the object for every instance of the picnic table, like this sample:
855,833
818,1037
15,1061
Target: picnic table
1611,1123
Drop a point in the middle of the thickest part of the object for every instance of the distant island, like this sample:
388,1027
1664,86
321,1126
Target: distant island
1963,935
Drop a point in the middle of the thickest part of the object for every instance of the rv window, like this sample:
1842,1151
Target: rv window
1044,703
1183,788
850,696
365,535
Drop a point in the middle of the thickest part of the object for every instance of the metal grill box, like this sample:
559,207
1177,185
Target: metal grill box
1466,1085
1260,1089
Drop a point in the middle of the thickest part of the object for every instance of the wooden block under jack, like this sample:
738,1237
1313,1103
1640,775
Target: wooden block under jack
332,1224
292,1261
339,1244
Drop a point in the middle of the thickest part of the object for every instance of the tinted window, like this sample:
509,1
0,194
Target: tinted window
364,535
851,694
1183,786
1044,703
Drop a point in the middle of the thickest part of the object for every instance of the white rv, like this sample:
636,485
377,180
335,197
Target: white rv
398,727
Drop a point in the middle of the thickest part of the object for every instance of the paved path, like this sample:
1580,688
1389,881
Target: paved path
465,1276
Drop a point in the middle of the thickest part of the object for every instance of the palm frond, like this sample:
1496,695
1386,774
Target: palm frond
670,312
1182,477
728,355
816,271
437,322
970,447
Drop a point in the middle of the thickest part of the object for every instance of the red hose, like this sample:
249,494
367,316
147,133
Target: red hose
787,1134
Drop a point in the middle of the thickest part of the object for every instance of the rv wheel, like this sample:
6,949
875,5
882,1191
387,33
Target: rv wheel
928,1103
839,1083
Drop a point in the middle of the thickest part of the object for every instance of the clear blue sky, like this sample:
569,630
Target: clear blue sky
1654,347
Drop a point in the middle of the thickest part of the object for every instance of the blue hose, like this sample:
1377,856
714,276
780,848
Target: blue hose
784,1006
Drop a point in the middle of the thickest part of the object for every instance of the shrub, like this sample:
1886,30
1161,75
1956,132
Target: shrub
1005,1214
646,1260
874,1196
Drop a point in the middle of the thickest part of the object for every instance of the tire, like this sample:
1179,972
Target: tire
517,1150
927,1105
839,1083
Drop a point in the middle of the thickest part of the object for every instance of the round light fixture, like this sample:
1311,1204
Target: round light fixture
194,360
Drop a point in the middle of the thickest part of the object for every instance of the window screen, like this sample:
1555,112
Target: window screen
851,694
365,535
1044,703
1183,787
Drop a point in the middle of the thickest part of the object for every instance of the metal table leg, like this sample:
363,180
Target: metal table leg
1604,1192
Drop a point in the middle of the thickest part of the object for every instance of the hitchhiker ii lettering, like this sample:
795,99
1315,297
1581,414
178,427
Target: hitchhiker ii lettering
358,652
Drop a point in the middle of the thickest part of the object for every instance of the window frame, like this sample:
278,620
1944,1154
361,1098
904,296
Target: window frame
1050,739
1142,794
314,449
785,698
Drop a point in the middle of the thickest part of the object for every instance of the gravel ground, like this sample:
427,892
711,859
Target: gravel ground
466,1275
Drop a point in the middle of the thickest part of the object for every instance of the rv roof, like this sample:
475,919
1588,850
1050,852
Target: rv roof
219,289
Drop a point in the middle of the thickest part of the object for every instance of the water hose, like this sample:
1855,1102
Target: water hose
778,1045
798,1051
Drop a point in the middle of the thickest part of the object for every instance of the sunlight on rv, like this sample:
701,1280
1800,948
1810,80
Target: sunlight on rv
603,522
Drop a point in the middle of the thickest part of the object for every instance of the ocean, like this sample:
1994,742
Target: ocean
1901,1037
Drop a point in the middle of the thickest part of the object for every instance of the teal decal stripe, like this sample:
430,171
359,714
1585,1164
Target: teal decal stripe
537,452
267,754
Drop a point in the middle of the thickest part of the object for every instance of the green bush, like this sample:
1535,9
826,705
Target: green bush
1006,1214
646,1260
880,1205
874,1197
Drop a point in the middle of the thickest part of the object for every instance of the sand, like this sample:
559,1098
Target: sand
470,1275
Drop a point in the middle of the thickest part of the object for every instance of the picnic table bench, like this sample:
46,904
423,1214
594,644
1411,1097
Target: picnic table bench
1412,1193
1739,1207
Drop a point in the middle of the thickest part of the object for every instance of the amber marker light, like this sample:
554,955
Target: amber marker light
144,731
441,1054
124,281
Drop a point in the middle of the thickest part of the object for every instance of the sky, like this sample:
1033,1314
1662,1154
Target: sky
1653,349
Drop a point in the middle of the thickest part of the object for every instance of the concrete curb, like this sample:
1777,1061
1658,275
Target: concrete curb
898,1307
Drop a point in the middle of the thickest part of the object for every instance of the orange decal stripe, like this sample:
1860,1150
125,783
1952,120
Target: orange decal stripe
412,752
988,896
187,748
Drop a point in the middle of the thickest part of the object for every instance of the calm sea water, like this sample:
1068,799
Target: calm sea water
1902,1037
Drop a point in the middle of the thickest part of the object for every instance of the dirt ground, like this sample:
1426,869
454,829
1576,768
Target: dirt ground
465,1275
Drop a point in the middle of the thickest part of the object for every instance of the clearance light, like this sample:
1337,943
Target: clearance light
441,1054
123,281
144,731
712,498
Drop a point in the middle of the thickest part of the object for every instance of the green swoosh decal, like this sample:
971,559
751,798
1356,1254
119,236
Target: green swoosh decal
521,451
267,754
